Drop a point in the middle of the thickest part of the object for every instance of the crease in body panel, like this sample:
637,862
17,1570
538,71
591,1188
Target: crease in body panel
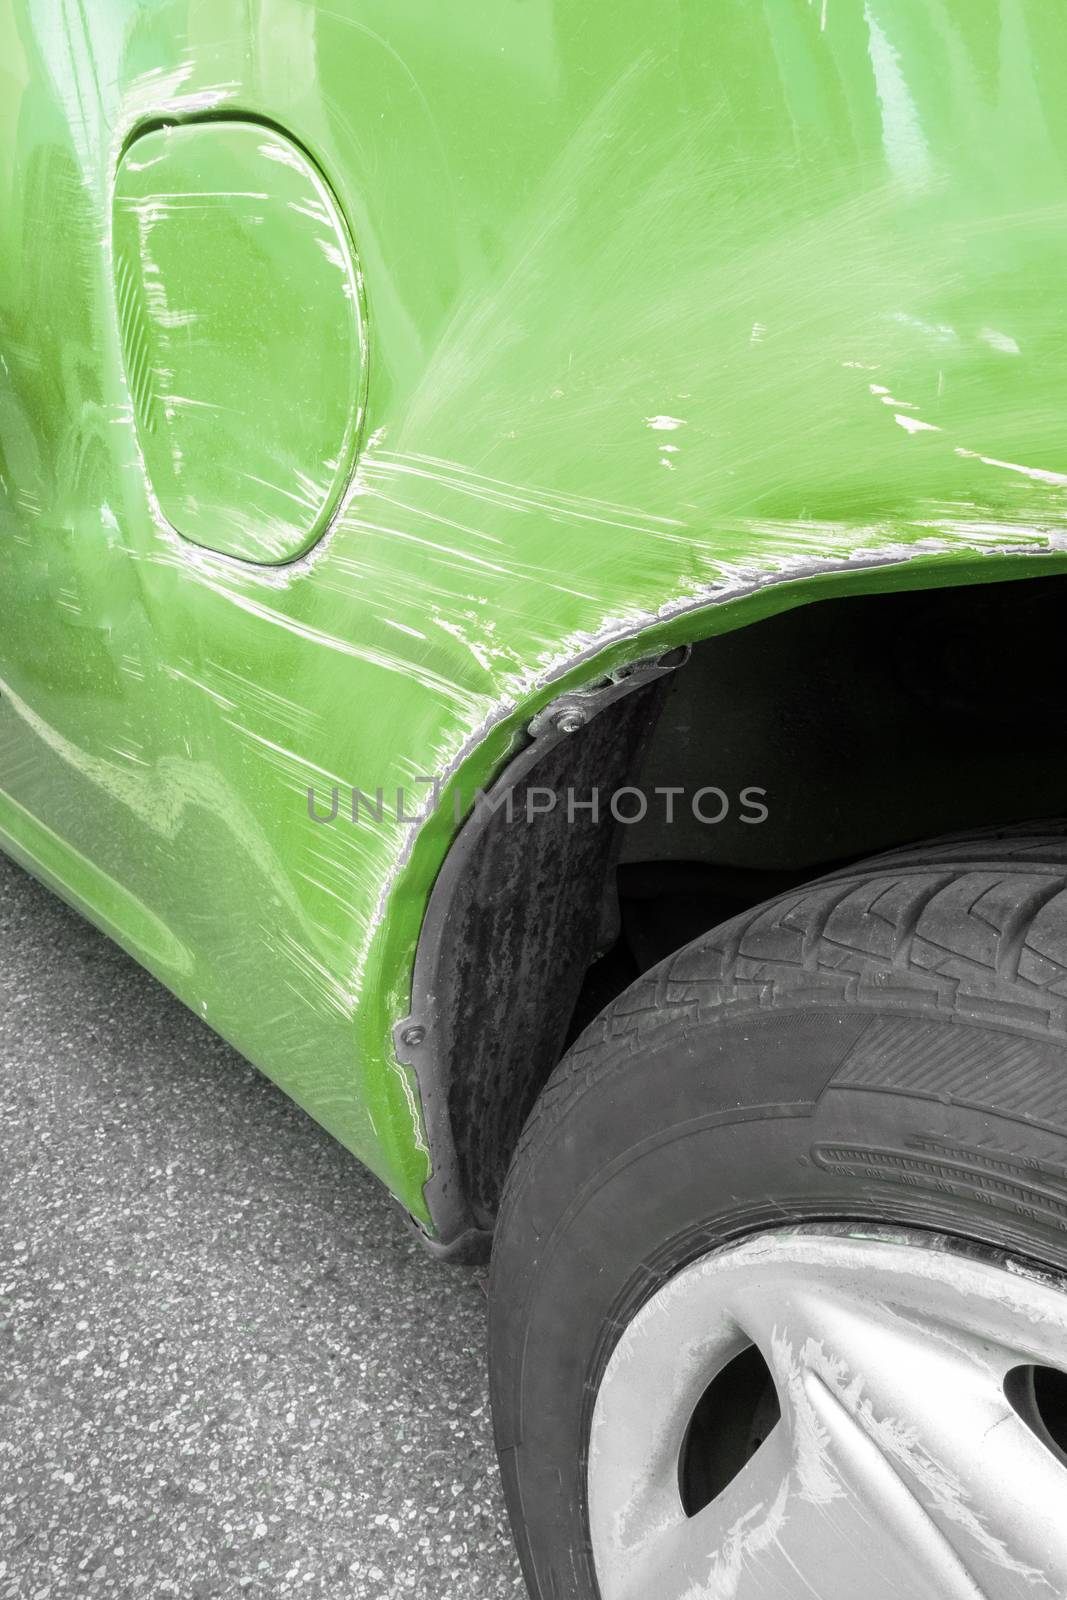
744,580
455,746
791,548
161,795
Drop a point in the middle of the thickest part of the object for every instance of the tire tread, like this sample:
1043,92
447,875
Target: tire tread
913,930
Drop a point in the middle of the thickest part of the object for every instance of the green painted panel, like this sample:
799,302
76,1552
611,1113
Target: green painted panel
239,305
681,313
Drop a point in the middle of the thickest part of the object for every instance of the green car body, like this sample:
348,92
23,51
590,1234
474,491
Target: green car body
373,372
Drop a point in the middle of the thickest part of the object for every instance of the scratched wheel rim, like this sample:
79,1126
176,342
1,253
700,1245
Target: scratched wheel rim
908,1452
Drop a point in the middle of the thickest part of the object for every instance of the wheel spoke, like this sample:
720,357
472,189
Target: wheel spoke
709,1553
898,1467
926,1407
790,1525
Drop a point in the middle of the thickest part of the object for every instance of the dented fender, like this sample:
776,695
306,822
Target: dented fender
663,319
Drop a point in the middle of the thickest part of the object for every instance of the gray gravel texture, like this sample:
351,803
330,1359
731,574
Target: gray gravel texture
225,1366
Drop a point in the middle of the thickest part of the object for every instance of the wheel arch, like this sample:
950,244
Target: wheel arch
456,1026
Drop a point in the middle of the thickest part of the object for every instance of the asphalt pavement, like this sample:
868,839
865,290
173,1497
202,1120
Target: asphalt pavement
225,1366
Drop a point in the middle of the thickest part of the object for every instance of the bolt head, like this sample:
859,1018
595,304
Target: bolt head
413,1035
570,719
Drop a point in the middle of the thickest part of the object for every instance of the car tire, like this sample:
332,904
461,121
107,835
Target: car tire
884,1049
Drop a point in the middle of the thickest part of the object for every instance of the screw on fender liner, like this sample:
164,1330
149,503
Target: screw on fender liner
414,1035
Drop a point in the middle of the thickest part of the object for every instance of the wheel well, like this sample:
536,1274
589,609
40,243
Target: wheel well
812,738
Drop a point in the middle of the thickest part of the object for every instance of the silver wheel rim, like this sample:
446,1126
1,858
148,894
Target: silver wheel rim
899,1468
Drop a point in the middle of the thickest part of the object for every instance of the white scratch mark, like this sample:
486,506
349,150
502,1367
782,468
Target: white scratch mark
915,425
999,341
1038,474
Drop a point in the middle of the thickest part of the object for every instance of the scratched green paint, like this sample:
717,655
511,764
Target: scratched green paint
676,315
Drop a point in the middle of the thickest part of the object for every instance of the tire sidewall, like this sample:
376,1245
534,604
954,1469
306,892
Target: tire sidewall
700,1135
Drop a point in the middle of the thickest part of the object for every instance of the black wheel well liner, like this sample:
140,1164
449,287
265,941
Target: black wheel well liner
512,921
